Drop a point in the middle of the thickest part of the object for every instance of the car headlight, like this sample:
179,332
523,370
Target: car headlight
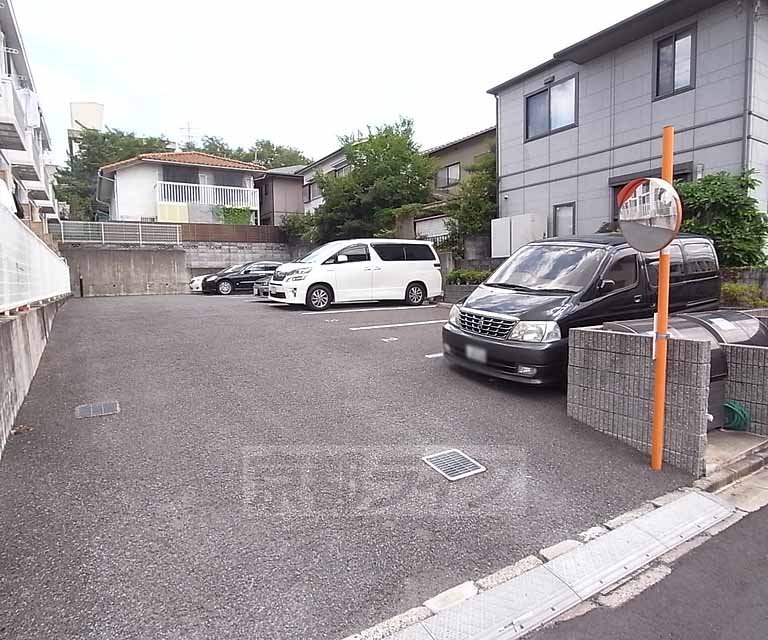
535,331
209,278
454,316
299,274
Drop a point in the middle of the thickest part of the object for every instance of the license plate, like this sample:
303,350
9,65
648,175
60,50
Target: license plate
478,354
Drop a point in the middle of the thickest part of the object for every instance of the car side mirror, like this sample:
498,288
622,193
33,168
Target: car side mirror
606,285
342,258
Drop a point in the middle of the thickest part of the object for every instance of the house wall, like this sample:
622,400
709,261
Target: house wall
465,153
135,192
324,167
431,227
619,122
285,197
757,151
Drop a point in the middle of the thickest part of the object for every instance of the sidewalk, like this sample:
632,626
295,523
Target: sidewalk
717,591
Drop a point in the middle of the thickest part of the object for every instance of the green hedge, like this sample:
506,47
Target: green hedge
467,276
748,296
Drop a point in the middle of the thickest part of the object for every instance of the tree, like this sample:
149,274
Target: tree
720,205
471,212
76,182
264,152
388,174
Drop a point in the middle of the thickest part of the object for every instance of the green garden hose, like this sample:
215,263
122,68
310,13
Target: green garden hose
736,416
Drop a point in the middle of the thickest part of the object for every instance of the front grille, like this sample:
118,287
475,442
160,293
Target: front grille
483,325
278,276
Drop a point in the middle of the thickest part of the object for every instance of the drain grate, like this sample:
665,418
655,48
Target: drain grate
454,464
97,409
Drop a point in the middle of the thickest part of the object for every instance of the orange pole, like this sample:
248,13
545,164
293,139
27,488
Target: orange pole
662,320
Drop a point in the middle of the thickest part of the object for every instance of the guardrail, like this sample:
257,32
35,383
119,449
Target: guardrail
139,233
29,270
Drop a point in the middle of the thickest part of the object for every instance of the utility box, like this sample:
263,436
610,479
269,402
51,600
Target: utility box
509,234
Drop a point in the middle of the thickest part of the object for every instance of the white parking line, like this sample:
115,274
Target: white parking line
399,324
313,313
434,355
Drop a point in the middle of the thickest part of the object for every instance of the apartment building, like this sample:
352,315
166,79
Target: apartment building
575,129
25,148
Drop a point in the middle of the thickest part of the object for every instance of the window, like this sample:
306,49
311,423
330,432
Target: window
549,266
448,176
355,253
564,219
390,252
623,272
311,191
419,252
674,68
700,258
676,269
343,171
551,109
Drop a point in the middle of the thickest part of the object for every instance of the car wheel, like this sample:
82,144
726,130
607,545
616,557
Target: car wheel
318,297
225,287
415,294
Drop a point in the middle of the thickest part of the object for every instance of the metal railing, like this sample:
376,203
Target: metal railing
116,232
438,241
29,270
189,193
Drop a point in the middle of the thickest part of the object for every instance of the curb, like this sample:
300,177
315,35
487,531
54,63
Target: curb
410,625
757,459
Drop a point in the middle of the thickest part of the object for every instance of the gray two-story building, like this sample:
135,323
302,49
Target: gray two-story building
575,129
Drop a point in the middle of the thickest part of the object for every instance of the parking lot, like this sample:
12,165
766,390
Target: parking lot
264,476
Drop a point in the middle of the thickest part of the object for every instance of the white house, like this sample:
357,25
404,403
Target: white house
178,186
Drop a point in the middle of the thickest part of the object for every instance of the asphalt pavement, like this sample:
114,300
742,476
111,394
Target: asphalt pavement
263,479
717,591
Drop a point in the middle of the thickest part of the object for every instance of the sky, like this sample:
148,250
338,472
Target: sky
298,72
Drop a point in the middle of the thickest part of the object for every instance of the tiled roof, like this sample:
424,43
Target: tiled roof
196,158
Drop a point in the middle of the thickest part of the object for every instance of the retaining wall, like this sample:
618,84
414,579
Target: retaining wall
747,383
22,340
120,270
610,388
206,257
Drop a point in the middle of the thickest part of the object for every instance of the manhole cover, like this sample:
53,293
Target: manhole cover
453,464
97,409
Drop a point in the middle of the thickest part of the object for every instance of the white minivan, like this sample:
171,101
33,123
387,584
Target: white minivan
360,270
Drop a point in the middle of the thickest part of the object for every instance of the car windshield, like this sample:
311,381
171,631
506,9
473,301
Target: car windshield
320,254
548,267
232,269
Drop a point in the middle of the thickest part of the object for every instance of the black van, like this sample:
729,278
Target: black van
515,325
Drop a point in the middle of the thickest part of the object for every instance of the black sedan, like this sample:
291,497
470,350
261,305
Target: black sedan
240,277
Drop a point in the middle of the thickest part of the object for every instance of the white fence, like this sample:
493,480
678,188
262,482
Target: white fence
140,233
188,193
29,270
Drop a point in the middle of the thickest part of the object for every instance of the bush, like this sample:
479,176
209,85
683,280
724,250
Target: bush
467,276
299,227
746,296
233,215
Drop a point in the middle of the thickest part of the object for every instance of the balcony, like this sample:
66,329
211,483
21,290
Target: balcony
28,162
12,117
206,194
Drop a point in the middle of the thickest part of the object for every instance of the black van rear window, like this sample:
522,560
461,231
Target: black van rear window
700,257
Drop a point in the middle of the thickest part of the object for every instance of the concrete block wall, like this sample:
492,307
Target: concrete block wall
211,256
610,388
22,340
747,382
